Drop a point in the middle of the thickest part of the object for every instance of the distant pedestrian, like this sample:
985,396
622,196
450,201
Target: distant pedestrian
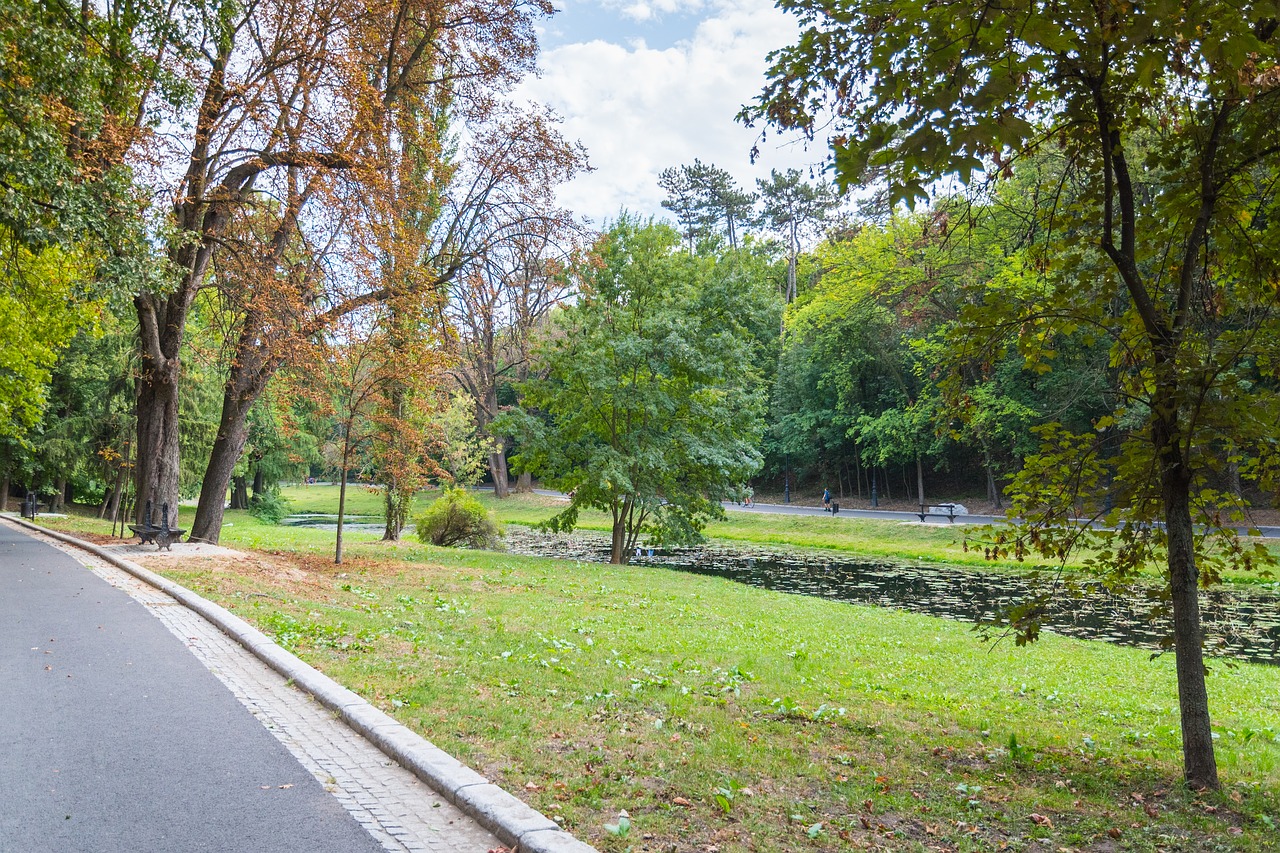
746,498
826,500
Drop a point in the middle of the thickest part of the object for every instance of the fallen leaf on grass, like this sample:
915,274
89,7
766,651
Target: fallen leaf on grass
532,786
1041,820
681,801
1114,832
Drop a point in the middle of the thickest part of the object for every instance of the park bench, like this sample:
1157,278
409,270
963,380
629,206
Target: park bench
947,511
162,535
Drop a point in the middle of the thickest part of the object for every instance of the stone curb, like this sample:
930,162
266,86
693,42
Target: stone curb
513,821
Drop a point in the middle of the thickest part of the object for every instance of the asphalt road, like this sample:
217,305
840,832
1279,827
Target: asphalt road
113,737
883,515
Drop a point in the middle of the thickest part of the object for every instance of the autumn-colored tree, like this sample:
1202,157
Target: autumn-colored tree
495,309
289,95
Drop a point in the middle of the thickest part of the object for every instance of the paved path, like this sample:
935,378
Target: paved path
118,732
1267,531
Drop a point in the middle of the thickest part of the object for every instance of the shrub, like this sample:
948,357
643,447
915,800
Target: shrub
457,518
269,506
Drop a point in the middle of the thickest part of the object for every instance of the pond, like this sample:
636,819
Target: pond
328,521
1240,622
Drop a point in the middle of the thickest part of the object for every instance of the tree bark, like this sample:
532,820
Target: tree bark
617,547
228,445
1200,767
239,493
156,471
396,506
498,470
342,508
524,483
4,493
259,486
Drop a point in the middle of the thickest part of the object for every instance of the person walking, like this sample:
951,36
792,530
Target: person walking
826,500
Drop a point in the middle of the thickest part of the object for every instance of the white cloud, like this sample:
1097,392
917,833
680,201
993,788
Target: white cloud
639,110
640,10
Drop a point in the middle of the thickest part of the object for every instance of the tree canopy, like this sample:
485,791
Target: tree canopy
1164,117
651,408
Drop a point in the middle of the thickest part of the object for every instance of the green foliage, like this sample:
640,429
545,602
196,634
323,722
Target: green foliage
269,506
457,518
40,315
651,405
622,828
1155,232
702,196
463,452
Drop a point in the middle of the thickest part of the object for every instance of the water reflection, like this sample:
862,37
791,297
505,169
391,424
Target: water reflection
329,521
1240,623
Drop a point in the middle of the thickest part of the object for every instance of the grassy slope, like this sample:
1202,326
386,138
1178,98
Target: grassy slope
588,689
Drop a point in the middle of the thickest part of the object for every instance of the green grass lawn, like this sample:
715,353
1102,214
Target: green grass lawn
728,717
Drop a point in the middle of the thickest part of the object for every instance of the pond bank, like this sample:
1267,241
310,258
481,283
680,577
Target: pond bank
1240,623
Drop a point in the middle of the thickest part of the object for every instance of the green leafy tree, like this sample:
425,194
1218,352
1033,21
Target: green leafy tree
702,196
650,409
1164,114
40,313
796,210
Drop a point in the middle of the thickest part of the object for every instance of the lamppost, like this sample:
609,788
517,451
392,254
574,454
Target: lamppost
786,481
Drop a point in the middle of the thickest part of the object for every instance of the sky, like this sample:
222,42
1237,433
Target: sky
647,84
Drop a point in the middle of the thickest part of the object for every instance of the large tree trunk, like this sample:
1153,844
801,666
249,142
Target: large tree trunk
618,555
397,501
156,470
252,368
920,479
524,483
4,493
239,493
259,486
498,470
1199,765
228,445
